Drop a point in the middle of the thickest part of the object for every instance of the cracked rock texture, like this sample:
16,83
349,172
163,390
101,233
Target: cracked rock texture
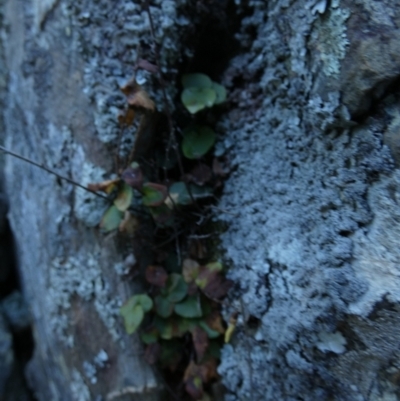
311,133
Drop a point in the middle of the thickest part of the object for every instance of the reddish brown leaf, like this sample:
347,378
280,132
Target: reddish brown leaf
146,65
194,387
127,117
133,176
200,342
156,275
214,322
218,287
209,370
105,186
200,174
152,353
136,96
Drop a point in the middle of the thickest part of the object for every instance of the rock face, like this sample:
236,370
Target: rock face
311,205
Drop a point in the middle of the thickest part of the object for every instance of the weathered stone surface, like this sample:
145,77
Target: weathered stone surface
312,203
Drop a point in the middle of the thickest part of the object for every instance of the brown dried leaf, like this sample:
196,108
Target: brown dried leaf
127,117
105,186
193,381
214,322
209,370
200,342
152,353
156,275
136,96
129,224
146,65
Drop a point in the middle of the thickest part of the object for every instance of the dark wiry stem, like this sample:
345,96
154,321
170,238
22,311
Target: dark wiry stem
43,167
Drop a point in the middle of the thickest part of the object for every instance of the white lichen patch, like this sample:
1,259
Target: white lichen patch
88,207
79,390
82,277
330,39
331,342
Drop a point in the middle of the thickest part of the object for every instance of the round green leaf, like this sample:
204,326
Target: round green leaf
132,317
220,91
176,288
196,80
196,99
145,301
210,332
164,308
190,308
153,194
197,141
124,198
111,219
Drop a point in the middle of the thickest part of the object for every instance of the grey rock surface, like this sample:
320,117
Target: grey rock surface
312,203
6,355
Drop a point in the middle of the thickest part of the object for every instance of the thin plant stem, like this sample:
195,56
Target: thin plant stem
43,167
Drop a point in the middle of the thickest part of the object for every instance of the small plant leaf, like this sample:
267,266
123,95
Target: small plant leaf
129,224
214,266
197,141
124,197
214,322
133,316
162,216
149,336
154,194
196,99
220,92
189,308
136,96
164,308
200,174
212,283
111,219
196,80
105,186
200,342
210,332
190,270
156,275
145,301
176,288
133,176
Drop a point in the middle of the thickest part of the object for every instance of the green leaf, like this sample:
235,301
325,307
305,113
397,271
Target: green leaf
149,336
210,332
153,194
111,219
214,266
196,80
162,216
220,91
196,99
190,308
179,193
164,308
145,301
133,316
176,288
197,141
124,198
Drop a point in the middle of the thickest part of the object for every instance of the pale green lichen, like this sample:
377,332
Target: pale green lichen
330,39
